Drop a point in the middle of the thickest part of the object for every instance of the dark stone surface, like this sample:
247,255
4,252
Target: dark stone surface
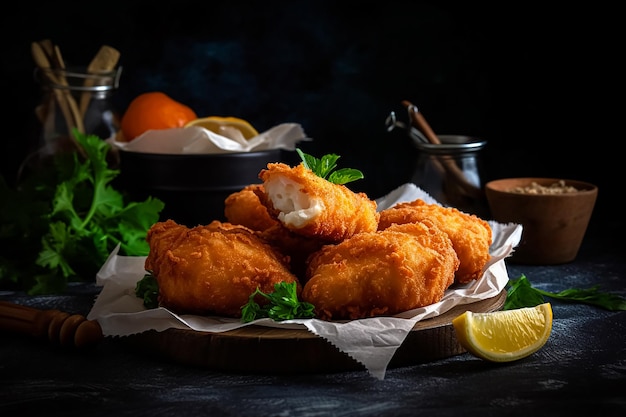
581,369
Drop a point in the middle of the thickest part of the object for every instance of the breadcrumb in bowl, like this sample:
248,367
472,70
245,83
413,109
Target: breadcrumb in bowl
553,212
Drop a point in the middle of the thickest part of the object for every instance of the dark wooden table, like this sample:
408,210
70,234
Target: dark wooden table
582,368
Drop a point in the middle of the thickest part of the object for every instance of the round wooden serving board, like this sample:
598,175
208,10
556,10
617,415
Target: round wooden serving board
274,350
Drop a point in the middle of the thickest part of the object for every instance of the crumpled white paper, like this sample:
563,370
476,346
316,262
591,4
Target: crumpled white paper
198,140
371,341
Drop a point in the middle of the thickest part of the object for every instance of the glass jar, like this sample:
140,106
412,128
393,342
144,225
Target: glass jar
73,99
451,172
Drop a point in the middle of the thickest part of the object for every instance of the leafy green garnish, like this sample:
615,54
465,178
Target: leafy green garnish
148,289
521,293
325,168
62,224
283,305
283,302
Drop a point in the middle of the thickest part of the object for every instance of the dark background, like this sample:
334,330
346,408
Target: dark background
541,85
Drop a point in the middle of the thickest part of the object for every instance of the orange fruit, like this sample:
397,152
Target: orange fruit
154,110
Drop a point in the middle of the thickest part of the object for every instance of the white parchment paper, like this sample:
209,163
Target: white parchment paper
198,140
371,341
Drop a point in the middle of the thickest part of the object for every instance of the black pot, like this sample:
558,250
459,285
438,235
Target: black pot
193,186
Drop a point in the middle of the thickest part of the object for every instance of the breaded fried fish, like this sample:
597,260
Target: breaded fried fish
244,207
212,269
381,273
297,247
471,236
314,207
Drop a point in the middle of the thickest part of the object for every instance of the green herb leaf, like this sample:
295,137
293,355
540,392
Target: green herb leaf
66,219
345,175
522,294
147,288
325,168
282,304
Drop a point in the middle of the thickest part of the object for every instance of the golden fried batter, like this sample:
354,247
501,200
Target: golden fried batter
381,273
244,207
297,247
471,236
314,207
212,269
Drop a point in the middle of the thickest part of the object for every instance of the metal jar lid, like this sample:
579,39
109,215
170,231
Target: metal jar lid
452,144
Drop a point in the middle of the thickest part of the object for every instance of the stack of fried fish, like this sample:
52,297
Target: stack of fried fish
347,259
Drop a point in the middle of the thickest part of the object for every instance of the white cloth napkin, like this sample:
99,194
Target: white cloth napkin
371,341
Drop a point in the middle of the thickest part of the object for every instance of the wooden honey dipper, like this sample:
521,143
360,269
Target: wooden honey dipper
60,328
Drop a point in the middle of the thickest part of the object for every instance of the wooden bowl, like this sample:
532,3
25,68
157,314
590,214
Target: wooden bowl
553,224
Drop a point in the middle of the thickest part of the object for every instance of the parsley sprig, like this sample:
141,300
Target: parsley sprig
325,166
521,293
147,288
283,305
62,223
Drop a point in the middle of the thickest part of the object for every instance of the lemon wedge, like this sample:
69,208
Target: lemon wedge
504,336
225,126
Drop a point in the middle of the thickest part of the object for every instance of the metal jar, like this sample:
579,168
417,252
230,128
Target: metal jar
451,172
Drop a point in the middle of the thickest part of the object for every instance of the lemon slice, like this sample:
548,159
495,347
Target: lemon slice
225,126
504,336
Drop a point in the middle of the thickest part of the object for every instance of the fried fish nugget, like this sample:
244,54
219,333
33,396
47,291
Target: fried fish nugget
314,207
296,246
471,236
244,207
381,273
212,269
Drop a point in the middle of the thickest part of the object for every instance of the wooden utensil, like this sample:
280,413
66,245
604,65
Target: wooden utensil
78,120
67,330
63,97
66,102
43,109
48,47
105,60
42,61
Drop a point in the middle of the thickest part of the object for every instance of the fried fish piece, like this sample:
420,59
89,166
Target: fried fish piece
244,207
314,207
381,273
471,236
212,269
297,247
